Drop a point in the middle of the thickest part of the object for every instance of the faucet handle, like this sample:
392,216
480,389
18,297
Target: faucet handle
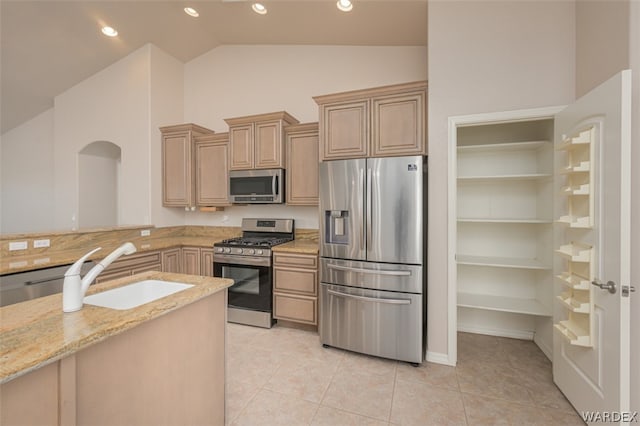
76,267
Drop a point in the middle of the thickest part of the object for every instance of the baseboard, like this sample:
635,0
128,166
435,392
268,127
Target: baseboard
513,334
439,358
544,348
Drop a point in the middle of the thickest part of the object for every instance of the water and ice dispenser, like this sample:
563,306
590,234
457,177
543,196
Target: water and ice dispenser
336,226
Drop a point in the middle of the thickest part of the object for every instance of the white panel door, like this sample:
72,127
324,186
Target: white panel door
596,378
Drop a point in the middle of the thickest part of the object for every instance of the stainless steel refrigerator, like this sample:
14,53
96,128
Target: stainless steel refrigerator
373,248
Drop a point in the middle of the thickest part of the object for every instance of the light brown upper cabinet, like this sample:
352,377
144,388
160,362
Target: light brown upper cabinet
379,122
212,170
302,164
178,161
257,141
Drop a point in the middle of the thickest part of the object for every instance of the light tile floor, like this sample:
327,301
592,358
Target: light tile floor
284,376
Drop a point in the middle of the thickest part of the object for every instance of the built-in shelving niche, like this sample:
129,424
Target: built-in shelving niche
504,256
575,266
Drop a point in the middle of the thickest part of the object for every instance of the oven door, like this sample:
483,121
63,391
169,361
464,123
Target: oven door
252,288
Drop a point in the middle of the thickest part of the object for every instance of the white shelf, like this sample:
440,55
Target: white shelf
574,281
584,138
574,305
573,333
503,220
503,304
502,147
576,252
582,189
576,222
581,167
500,178
500,262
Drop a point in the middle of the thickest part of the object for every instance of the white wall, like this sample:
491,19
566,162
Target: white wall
634,61
602,47
112,105
232,81
26,182
166,107
98,183
486,57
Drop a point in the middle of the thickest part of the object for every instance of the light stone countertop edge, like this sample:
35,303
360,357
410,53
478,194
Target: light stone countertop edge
297,246
36,333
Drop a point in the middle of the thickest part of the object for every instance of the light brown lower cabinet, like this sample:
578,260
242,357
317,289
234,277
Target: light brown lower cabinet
172,260
185,260
295,287
138,377
132,264
197,261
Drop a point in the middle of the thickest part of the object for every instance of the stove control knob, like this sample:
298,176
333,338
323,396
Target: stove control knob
218,249
227,250
250,251
259,252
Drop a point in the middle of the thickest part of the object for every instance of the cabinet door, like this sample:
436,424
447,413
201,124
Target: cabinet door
295,308
206,262
212,178
302,168
398,125
241,147
191,260
171,261
344,130
268,145
290,280
177,183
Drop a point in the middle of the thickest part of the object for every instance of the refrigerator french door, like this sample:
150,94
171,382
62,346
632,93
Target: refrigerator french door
372,252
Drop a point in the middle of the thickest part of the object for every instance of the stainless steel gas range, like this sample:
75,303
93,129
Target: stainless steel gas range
247,261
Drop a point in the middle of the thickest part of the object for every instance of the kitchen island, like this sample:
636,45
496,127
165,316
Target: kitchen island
158,363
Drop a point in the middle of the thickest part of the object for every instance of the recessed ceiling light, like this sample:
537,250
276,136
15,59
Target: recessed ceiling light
108,31
191,12
344,5
259,8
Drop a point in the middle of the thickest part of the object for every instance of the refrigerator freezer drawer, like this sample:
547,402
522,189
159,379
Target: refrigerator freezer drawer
379,276
380,323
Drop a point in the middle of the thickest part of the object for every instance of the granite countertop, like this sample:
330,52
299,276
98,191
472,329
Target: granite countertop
36,332
297,246
10,265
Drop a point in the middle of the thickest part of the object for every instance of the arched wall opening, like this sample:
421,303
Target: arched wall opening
99,184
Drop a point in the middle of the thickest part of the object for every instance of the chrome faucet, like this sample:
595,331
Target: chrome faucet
74,288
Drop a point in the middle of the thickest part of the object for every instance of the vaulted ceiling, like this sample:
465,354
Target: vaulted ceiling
49,46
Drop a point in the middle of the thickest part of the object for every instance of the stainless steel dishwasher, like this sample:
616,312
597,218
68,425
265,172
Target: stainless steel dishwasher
21,286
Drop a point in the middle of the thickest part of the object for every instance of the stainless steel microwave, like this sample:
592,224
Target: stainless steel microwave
256,186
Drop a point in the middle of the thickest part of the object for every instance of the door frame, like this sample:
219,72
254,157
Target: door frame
454,122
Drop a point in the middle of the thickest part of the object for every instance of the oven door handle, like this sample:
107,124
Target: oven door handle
371,299
371,271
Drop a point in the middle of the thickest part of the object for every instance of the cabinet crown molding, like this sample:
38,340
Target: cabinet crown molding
213,137
280,115
393,89
186,127
302,127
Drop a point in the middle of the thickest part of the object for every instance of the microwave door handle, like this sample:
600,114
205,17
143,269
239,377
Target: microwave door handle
274,185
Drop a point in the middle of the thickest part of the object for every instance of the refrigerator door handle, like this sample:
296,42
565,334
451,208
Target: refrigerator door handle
371,299
369,206
362,187
371,271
